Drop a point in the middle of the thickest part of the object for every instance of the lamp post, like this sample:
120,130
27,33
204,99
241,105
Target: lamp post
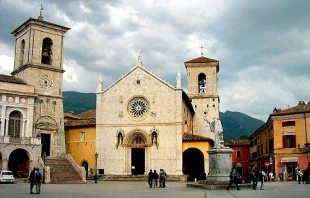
44,156
96,176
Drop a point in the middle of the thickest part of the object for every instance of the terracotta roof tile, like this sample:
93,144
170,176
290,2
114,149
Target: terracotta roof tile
192,137
87,114
201,59
243,142
11,79
86,122
292,110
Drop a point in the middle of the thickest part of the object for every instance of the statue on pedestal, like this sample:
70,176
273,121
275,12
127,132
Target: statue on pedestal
217,129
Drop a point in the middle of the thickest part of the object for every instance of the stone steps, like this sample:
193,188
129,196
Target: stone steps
62,172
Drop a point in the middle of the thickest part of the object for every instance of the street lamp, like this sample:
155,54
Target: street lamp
96,176
44,156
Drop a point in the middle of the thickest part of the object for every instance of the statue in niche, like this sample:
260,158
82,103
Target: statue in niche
217,129
154,138
119,138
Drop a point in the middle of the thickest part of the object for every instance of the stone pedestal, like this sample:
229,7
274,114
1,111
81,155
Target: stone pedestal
220,162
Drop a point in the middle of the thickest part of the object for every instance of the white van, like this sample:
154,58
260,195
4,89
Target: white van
6,177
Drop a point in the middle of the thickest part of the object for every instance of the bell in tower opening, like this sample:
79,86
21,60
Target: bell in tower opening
47,51
202,83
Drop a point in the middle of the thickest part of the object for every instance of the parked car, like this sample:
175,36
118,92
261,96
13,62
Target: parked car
7,177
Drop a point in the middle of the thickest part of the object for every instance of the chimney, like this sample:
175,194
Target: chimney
301,105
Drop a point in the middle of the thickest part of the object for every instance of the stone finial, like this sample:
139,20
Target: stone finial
139,61
179,82
100,84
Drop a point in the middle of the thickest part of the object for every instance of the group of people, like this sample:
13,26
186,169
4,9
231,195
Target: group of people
35,179
258,176
255,176
303,176
152,179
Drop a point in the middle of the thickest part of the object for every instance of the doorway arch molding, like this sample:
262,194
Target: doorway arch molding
133,135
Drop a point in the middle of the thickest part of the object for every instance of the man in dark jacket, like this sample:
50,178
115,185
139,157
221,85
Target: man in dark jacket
233,178
155,179
31,179
150,178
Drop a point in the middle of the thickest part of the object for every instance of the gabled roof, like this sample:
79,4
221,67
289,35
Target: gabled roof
189,137
11,79
146,71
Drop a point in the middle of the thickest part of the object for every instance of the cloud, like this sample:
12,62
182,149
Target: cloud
262,46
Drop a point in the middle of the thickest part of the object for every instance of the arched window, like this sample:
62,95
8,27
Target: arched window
46,56
202,83
14,124
21,53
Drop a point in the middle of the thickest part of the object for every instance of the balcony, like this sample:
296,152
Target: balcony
20,140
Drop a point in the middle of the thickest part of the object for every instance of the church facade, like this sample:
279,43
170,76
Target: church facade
31,105
143,122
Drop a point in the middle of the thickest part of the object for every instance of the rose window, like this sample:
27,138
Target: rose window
138,107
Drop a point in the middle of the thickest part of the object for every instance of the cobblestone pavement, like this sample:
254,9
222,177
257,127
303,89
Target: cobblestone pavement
129,189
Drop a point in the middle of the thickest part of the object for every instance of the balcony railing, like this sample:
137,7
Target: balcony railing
19,140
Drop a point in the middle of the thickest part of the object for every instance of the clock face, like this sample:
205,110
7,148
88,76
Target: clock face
46,82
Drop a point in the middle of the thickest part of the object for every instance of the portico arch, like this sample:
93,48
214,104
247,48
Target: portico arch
19,162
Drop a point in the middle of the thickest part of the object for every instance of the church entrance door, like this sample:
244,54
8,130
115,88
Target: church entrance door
137,161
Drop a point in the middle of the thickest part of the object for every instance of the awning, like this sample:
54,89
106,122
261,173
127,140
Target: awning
238,165
289,159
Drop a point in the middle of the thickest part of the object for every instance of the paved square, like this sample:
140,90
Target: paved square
139,189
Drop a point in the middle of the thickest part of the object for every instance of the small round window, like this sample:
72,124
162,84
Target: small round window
138,107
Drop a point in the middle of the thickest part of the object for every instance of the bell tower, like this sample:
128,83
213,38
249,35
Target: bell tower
203,92
39,63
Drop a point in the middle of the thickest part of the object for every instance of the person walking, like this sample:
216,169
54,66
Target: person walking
38,179
262,175
233,178
150,178
31,179
254,178
155,179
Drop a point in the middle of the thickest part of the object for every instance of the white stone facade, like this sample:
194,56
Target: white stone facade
165,111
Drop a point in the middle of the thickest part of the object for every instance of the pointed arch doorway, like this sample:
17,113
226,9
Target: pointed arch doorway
137,140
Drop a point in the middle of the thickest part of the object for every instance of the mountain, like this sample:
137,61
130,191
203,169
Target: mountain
78,102
235,124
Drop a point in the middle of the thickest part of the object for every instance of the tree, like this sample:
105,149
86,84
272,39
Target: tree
242,137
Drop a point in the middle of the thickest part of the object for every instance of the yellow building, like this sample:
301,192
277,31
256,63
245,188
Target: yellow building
81,139
282,145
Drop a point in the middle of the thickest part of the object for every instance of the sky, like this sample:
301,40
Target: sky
263,46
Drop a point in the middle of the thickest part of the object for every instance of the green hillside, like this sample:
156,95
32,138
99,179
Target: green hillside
235,124
78,102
